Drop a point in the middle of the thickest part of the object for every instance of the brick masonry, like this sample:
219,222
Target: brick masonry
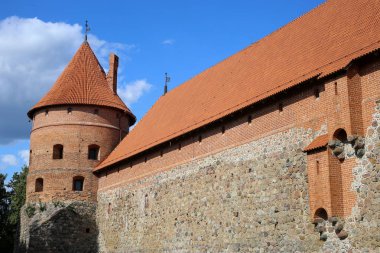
248,186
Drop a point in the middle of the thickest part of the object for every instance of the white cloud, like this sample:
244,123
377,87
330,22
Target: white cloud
168,42
32,55
131,92
24,155
8,160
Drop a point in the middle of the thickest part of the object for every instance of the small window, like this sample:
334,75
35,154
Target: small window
317,166
69,110
161,153
46,112
316,93
249,120
78,183
336,88
280,107
145,160
93,152
223,129
200,138
39,187
58,151
179,146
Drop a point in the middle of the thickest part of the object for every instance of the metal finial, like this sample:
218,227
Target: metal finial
167,79
86,31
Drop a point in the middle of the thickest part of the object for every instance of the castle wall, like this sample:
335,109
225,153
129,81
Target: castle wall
76,131
242,185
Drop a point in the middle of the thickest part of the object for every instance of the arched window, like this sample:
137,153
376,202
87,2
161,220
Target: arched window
93,152
321,213
39,187
340,134
78,183
57,151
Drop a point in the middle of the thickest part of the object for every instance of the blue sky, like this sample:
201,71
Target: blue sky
183,38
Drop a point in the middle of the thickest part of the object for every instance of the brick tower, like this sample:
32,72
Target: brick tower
75,126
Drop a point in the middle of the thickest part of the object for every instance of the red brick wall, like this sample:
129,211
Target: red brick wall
319,181
75,131
301,109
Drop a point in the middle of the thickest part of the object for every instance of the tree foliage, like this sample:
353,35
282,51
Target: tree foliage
17,187
6,238
12,198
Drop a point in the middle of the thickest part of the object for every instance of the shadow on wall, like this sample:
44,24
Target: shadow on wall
66,231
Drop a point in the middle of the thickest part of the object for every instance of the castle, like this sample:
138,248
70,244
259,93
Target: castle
274,149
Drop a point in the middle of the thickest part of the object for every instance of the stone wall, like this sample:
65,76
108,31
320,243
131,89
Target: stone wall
252,198
58,227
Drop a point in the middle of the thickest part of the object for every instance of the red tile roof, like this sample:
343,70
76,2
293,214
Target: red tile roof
82,82
319,43
319,142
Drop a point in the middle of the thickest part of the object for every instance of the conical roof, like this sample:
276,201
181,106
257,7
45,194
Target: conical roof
83,82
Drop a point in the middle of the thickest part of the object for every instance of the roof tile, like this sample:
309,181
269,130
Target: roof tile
319,43
82,82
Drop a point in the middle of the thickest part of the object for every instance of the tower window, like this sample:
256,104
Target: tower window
39,187
317,165
93,152
46,112
78,183
69,110
57,151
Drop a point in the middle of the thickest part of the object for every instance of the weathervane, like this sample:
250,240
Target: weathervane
86,31
167,79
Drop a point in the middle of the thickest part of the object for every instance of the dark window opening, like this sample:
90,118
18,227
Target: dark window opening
69,110
58,151
280,107
78,183
145,160
109,208
223,129
249,119
87,230
316,93
321,213
336,88
46,112
340,135
93,152
200,138
39,187
317,166
179,146
161,153
146,201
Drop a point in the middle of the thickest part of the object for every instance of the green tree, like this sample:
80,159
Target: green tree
17,192
6,235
